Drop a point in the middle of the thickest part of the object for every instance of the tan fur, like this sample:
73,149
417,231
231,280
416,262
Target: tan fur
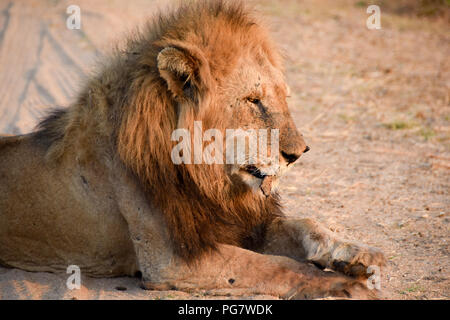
95,185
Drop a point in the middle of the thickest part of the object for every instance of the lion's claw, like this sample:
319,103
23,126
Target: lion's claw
351,259
354,260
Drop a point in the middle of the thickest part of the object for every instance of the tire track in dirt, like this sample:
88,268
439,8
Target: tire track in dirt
6,17
30,75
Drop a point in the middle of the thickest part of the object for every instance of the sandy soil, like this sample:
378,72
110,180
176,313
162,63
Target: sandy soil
373,105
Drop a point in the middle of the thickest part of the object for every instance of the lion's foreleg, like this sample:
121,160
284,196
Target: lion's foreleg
235,271
230,270
305,239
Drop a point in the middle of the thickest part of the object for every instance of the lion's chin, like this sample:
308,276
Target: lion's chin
266,185
263,185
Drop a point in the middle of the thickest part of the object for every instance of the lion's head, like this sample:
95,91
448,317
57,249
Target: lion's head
208,61
234,83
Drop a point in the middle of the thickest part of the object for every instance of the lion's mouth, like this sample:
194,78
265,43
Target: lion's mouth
254,171
266,180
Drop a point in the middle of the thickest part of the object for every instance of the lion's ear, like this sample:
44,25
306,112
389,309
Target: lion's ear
178,68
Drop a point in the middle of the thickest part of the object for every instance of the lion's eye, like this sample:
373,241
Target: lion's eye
253,100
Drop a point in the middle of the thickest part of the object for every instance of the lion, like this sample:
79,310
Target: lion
95,185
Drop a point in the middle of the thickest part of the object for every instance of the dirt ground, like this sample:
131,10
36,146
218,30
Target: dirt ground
373,105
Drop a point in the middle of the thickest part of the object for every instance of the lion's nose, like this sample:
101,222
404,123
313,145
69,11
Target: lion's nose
290,157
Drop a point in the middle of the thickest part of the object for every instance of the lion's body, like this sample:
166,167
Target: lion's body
95,185
57,214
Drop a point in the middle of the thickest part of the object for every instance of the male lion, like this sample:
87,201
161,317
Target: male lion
95,184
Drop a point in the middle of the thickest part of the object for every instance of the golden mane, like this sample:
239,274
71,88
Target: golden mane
129,103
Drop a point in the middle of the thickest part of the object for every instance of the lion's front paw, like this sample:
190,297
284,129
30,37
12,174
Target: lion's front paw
356,260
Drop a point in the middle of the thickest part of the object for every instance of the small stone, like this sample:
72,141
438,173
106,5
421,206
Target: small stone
401,224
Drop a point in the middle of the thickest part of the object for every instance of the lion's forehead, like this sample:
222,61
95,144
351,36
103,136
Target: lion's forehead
251,78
